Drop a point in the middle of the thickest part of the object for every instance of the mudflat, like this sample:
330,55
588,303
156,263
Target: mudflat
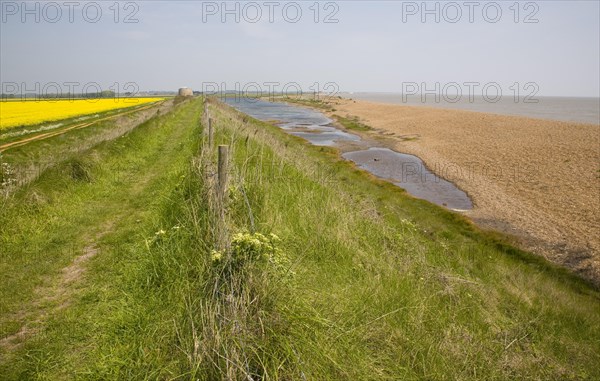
537,180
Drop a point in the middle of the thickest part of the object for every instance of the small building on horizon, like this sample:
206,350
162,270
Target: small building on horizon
185,92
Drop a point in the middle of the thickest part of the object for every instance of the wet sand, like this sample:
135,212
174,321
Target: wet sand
537,180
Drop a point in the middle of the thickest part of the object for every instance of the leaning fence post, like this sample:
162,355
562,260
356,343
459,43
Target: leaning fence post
210,132
222,174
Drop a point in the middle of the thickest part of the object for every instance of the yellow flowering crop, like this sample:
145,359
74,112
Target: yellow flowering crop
23,113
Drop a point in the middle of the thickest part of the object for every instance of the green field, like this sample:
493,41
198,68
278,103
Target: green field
121,262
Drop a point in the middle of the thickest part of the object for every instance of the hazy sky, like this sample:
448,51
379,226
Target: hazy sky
373,46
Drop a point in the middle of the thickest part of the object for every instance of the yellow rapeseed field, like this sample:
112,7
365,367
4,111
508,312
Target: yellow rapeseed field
23,113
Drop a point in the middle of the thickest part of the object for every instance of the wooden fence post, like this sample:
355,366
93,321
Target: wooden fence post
205,114
210,133
222,174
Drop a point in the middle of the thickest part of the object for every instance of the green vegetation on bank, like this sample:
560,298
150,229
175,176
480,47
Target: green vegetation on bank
349,122
307,101
308,269
352,123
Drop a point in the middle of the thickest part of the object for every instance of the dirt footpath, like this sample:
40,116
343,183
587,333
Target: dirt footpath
535,179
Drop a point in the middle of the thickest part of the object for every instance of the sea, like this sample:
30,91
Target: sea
568,109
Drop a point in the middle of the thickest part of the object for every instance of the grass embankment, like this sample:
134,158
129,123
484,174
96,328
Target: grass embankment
362,283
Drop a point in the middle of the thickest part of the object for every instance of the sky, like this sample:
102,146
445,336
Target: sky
551,48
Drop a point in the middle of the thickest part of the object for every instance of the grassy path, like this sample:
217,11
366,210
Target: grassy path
68,220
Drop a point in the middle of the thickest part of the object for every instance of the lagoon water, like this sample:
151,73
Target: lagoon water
406,171
299,121
581,110
409,173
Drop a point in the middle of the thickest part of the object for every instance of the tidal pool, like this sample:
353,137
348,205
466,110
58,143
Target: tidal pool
409,172
406,171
